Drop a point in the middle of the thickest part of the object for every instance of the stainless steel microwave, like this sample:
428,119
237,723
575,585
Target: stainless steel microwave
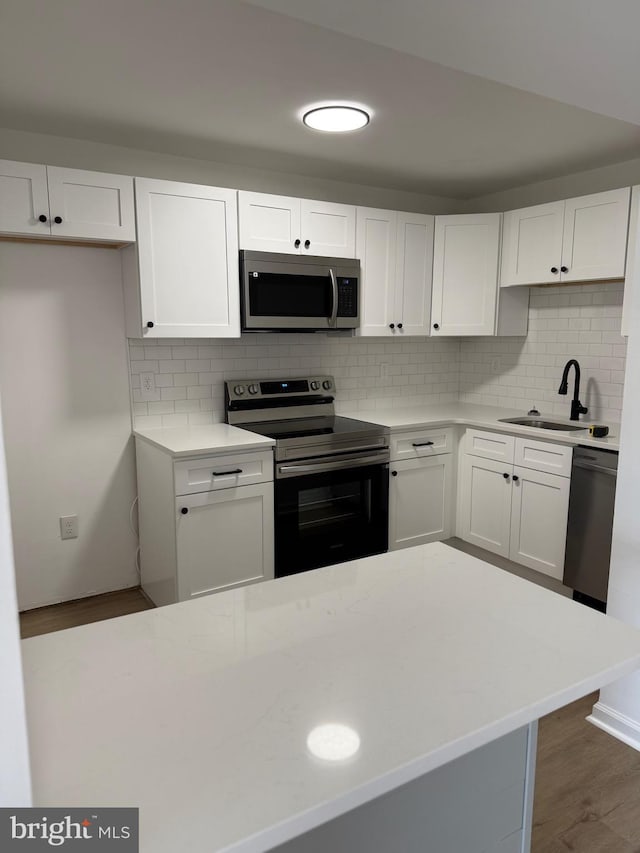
298,293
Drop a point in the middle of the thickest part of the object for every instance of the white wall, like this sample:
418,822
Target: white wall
85,154
624,174
582,322
67,423
15,783
618,710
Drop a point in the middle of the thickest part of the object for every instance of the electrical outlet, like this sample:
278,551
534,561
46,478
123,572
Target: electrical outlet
496,364
68,526
147,386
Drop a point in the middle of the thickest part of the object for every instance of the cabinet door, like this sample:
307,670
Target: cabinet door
188,260
376,248
532,244
632,268
23,199
595,236
328,229
224,540
269,223
91,205
414,273
485,503
465,274
420,493
539,510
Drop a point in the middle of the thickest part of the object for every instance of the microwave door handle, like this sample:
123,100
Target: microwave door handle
334,300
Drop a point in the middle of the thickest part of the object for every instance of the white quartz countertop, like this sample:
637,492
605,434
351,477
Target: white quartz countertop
199,712
484,417
208,438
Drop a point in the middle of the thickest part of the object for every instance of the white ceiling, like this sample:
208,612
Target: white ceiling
224,80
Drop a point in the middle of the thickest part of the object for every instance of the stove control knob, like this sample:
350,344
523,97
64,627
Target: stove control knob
315,385
253,389
239,390
326,384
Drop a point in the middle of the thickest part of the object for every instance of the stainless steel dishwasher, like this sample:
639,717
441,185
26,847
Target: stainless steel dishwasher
591,500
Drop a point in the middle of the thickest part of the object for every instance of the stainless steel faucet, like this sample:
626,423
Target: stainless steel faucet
577,408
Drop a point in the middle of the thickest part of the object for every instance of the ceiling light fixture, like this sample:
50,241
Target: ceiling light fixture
336,118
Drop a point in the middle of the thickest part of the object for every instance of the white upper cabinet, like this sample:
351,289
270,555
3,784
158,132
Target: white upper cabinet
24,199
181,281
47,201
376,234
465,274
532,244
580,239
396,255
273,223
632,271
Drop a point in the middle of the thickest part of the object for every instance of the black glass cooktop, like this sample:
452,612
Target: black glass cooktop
307,427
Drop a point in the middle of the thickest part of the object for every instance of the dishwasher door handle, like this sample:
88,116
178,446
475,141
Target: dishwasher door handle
589,466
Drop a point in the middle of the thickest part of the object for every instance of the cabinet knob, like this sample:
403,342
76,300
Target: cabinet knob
307,243
392,325
515,478
297,244
42,218
394,473
399,325
184,510
554,270
150,325
506,476
564,269
436,326
57,220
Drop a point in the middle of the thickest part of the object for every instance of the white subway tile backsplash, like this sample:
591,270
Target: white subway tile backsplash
580,321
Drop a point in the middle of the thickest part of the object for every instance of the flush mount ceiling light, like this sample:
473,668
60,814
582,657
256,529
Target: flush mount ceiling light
336,118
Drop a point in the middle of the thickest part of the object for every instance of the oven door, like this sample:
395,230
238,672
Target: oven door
330,511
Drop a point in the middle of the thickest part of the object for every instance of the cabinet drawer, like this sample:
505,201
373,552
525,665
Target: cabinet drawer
489,445
543,456
413,445
210,473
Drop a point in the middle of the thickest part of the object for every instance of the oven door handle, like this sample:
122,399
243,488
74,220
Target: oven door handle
320,467
334,299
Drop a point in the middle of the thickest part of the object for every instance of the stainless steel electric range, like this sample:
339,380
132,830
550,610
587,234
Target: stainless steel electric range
331,475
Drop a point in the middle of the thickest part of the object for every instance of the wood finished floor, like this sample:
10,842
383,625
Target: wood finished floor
587,796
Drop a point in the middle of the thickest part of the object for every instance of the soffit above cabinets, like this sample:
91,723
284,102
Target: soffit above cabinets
225,81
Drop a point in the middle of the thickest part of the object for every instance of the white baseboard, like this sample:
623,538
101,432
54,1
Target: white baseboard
614,723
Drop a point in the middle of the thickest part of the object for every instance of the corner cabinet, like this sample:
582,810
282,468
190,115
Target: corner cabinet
579,239
514,498
274,223
421,477
181,279
396,255
49,202
206,522
466,299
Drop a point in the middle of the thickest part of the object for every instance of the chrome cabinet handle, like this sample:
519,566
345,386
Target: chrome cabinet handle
334,295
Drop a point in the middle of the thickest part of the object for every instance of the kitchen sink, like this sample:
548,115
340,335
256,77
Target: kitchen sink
539,423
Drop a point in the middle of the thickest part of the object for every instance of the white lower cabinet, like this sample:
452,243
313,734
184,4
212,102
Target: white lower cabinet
516,511
485,503
193,543
225,539
420,495
421,483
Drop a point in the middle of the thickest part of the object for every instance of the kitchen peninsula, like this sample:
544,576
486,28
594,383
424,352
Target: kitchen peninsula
200,712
